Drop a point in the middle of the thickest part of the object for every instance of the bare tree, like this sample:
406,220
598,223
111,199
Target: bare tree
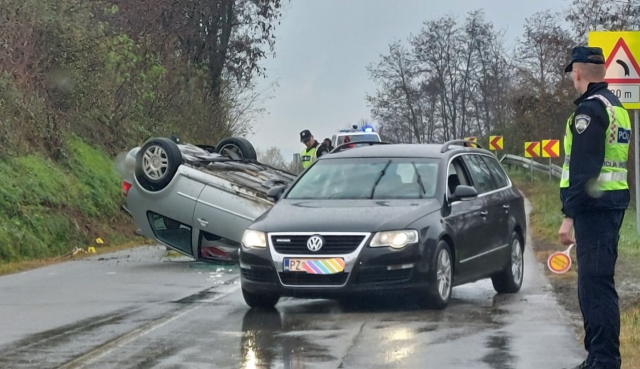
273,157
397,98
453,82
603,15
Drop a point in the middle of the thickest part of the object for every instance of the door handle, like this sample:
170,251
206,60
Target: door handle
203,222
484,213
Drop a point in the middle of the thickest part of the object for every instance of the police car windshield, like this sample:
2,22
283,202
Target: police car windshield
363,178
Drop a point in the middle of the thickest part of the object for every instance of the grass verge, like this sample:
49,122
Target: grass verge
545,220
48,208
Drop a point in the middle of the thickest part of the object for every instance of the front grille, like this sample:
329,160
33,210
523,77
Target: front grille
334,244
383,276
259,274
304,279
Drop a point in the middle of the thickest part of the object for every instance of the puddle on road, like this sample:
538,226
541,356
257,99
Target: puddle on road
266,344
500,356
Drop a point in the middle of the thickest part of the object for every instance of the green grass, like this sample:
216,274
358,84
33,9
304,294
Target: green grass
546,217
48,208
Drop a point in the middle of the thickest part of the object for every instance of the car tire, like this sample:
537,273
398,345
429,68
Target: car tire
260,300
238,145
509,280
157,163
440,279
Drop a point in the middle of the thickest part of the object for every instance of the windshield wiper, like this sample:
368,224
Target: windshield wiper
419,179
382,173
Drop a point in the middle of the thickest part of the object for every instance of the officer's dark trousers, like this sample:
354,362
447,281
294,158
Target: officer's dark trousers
597,235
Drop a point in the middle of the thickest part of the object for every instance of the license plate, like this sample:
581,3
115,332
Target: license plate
314,266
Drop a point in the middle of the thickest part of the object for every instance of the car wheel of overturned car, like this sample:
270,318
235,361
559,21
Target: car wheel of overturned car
509,280
237,148
156,163
440,279
260,300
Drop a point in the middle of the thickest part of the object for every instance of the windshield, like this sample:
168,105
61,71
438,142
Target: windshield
368,178
357,138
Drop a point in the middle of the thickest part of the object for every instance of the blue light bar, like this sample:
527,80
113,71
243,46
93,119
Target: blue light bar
368,128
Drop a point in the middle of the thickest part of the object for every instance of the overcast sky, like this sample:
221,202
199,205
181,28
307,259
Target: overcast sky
324,46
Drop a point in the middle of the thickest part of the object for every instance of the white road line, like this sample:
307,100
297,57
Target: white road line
127,338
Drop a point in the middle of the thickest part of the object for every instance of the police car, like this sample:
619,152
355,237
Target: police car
355,134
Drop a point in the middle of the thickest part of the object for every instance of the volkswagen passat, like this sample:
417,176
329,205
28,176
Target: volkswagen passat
388,218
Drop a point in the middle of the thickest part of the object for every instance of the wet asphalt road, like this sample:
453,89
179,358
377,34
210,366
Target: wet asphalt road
135,309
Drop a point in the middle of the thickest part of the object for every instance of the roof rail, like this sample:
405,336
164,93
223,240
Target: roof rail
347,144
446,146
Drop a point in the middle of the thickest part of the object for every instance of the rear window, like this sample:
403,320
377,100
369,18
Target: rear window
363,178
357,138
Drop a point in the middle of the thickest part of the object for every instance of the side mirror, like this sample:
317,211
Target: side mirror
465,193
276,192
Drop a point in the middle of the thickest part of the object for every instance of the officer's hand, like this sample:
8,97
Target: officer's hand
566,238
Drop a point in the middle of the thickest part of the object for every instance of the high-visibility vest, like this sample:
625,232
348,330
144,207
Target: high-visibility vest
308,156
613,175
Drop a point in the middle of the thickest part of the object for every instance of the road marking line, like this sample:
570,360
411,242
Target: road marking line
127,338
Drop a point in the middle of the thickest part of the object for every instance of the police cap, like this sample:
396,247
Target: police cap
305,135
583,54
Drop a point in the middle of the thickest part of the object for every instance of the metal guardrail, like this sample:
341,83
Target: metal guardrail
529,163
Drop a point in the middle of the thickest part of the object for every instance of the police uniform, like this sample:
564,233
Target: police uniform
310,154
595,194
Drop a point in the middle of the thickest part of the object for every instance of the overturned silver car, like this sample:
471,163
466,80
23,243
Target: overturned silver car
199,199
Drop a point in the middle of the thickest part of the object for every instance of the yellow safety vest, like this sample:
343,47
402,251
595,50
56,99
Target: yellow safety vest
613,175
308,156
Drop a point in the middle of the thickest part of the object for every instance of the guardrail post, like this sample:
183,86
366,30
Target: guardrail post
531,168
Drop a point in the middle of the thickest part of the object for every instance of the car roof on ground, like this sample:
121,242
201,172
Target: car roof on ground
402,150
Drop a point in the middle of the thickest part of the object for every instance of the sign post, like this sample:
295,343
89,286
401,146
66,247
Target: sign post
622,50
531,150
496,143
636,159
550,149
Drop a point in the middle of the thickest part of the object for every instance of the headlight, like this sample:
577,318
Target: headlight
395,239
254,239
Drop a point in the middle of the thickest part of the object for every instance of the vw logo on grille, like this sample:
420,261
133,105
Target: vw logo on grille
314,243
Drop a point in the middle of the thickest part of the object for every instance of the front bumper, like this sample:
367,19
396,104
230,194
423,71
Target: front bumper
367,271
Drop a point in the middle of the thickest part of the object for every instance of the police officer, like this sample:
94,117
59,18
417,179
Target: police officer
313,149
327,144
595,195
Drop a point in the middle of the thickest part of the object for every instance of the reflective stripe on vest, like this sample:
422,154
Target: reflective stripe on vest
613,175
606,163
308,157
603,177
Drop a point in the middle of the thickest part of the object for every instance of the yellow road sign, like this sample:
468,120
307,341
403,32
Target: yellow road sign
622,52
550,148
532,149
496,143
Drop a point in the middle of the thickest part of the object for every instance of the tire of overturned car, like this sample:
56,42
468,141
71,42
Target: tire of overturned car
157,162
237,145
